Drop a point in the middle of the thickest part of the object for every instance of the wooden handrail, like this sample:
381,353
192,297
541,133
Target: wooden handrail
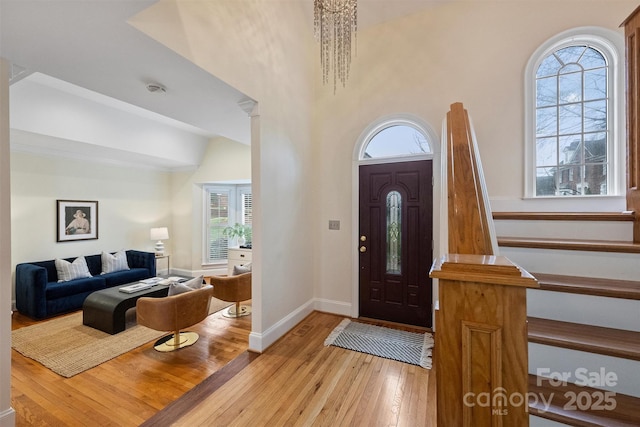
469,217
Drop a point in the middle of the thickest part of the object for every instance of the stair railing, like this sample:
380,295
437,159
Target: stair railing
481,332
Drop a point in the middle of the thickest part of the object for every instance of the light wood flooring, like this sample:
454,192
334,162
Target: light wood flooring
296,381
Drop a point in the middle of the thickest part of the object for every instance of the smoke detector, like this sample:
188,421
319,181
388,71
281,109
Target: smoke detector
156,88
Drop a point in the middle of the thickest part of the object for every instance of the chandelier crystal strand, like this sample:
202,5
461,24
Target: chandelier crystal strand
335,27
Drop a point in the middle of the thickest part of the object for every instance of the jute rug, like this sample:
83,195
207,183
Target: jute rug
68,347
403,346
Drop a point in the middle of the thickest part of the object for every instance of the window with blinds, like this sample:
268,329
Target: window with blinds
225,206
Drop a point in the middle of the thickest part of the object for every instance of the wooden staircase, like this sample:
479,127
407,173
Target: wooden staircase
561,407
591,406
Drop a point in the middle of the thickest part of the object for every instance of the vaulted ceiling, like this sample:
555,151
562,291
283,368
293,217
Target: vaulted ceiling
87,50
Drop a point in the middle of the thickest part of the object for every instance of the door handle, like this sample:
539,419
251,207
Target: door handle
363,238
363,249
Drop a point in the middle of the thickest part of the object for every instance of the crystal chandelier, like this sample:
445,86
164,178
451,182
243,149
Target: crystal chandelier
335,25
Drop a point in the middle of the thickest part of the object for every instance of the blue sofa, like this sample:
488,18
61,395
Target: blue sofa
39,295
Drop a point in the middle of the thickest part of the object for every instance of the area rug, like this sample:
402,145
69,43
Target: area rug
408,347
68,347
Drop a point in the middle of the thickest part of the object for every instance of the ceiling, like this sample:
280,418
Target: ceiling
89,44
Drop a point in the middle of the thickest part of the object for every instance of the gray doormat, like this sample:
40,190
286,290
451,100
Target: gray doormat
408,347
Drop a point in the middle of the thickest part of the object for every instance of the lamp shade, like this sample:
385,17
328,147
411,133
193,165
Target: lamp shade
160,233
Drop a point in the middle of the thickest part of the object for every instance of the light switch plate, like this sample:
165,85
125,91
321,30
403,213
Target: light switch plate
334,224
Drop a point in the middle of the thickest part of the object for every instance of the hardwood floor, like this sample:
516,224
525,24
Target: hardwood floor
127,390
296,381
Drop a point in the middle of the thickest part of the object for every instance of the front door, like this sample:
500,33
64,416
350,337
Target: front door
395,242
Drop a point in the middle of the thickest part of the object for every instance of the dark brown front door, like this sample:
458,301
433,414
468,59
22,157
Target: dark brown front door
396,227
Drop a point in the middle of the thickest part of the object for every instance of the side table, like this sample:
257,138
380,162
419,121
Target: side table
167,257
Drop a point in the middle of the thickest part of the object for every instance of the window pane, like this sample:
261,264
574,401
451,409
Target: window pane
546,181
595,116
570,120
595,177
397,141
549,67
570,149
246,201
570,87
596,148
394,235
569,183
218,220
570,54
592,59
595,82
546,151
547,91
546,121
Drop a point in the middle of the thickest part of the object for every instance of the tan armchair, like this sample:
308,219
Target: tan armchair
174,313
233,289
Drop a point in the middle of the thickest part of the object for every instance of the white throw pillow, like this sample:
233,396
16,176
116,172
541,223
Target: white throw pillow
116,262
176,288
241,269
72,270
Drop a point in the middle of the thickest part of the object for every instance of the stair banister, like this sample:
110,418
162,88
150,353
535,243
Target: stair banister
481,333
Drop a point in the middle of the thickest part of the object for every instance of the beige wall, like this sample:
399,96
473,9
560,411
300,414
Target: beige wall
304,135
262,48
130,202
224,161
469,51
474,52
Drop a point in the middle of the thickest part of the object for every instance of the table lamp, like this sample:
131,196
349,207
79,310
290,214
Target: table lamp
159,234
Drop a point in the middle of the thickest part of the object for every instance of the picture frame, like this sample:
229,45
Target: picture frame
77,220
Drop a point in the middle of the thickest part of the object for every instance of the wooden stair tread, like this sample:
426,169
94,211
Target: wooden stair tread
612,288
593,339
625,414
570,244
565,216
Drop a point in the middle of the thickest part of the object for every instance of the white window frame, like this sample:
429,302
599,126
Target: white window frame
235,214
611,45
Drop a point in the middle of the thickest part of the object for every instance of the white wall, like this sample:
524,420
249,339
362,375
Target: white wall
262,48
130,202
471,52
43,105
223,161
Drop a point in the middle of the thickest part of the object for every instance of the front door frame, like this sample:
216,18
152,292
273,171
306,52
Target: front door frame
364,138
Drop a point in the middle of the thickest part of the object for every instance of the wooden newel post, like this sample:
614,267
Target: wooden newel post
481,341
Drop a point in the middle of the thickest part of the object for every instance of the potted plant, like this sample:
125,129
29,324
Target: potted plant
239,231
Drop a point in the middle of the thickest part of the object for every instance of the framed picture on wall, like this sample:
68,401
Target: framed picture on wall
77,220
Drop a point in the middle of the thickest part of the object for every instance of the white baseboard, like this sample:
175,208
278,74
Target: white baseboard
334,307
258,342
8,418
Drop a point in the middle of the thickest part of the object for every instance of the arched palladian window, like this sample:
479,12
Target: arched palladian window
574,95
